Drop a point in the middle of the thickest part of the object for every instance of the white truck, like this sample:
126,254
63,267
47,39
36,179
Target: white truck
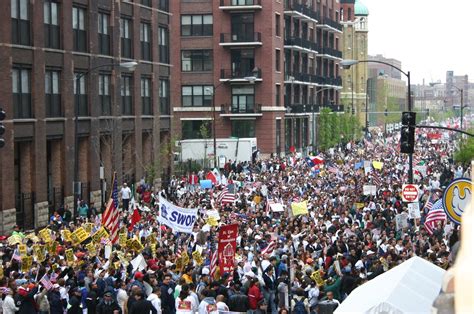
240,149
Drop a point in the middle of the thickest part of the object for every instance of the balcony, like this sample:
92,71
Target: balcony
240,5
248,110
301,44
240,40
241,75
304,109
330,25
303,78
333,81
300,11
330,53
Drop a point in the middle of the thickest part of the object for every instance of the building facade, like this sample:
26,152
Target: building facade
355,42
254,69
61,82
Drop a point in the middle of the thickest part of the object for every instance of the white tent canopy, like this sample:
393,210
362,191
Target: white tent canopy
410,287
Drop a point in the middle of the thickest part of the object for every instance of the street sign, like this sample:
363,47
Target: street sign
410,193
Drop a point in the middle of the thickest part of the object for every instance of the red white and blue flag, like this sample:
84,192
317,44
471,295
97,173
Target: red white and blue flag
110,218
225,196
435,215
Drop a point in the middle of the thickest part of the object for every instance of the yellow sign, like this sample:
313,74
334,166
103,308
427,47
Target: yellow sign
66,235
26,263
212,221
457,198
152,239
197,257
38,252
123,239
51,247
88,227
14,239
22,249
300,208
359,205
137,245
316,276
69,256
377,165
80,234
45,235
99,235
1,271
91,248
179,264
185,258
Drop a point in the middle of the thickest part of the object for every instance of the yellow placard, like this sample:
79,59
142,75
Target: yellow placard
66,234
179,264
26,263
22,249
123,239
137,245
316,276
38,252
91,248
69,256
14,239
377,165
359,205
99,235
51,247
300,208
80,234
153,248
1,271
45,235
197,257
152,239
185,258
130,243
117,265
212,221
88,227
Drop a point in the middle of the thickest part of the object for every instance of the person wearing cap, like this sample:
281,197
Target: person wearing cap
108,305
167,298
139,281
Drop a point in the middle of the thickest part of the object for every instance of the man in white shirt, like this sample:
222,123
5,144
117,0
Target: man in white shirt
125,192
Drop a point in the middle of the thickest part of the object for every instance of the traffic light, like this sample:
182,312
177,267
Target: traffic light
407,140
409,118
386,112
2,127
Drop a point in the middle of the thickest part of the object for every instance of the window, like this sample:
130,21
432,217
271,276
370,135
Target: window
51,24
243,128
104,37
145,36
20,14
82,108
192,129
145,92
146,3
78,26
21,89
165,97
126,93
277,60
196,96
163,5
196,25
277,94
196,60
242,26
164,44
277,25
104,95
126,37
243,98
52,91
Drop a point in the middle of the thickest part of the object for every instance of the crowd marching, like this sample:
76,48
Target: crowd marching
269,236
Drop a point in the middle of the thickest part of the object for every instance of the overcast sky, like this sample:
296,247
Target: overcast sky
429,37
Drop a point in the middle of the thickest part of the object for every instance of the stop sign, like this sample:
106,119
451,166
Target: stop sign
410,193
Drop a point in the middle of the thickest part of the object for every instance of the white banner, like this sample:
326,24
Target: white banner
369,190
178,218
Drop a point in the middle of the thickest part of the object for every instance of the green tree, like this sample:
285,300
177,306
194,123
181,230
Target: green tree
465,152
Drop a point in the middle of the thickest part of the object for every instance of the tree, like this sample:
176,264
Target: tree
465,152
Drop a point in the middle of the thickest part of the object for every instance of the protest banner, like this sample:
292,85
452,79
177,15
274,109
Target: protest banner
69,256
66,234
178,218
226,247
414,210
79,235
45,235
300,208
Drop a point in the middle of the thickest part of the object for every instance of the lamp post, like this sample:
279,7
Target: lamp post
461,91
249,79
313,129
77,184
346,64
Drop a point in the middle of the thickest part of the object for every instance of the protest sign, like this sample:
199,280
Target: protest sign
369,190
178,218
206,184
45,235
277,207
401,221
300,208
377,165
226,247
197,258
414,210
80,234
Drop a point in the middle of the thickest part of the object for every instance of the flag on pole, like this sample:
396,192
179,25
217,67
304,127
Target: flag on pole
110,218
135,218
431,200
213,268
46,282
269,249
225,196
435,215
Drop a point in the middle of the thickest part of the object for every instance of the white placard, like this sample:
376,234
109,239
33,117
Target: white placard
370,190
414,210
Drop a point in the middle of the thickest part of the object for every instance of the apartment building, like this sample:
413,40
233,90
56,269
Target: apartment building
68,99
254,68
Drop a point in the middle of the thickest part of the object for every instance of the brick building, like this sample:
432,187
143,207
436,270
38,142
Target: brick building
256,68
123,117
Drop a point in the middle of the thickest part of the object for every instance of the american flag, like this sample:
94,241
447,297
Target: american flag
225,196
376,179
178,252
46,282
332,169
213,268
433,198
110,218
434,215
269,249
16,256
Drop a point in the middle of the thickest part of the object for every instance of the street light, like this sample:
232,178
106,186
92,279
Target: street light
313,129
249,79
131,65
461,91
346,64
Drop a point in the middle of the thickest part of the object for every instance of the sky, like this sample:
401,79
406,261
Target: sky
429,37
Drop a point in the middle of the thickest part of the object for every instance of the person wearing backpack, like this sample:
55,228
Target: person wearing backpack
299,304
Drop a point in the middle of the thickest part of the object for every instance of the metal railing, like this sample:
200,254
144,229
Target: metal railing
295,6
241,109
240,73
241,37
301,42
330,22
239,3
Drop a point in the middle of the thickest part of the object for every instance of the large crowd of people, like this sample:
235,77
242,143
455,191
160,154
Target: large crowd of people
306,263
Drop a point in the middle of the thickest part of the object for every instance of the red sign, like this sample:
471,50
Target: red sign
410,193
226,247
434,136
